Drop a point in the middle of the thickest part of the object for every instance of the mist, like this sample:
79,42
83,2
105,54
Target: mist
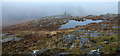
19,12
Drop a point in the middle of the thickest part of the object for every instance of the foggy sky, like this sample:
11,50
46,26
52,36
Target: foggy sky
16,12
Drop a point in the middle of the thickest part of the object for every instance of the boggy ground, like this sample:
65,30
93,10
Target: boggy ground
43,35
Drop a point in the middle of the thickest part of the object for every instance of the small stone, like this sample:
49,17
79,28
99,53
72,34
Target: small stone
49,36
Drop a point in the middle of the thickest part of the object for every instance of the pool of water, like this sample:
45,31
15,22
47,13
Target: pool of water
4,39
73,23
3,34
63,53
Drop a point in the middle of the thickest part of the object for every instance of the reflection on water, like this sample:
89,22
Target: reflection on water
3,34
73,23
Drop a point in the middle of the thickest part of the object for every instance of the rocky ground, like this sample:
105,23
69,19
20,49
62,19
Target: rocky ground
43,36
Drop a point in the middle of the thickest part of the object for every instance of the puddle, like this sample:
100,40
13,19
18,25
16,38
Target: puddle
4,39
3,34
114,27
63,53
73,23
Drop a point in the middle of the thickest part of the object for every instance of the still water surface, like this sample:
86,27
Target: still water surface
73,23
